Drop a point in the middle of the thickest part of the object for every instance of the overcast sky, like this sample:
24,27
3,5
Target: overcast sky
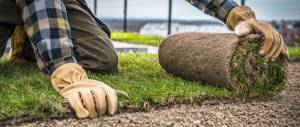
158,9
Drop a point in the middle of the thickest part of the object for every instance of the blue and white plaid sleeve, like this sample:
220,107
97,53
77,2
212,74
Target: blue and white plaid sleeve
46,24
215,8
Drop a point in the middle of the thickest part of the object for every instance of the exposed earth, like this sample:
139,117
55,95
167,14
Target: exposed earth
282,110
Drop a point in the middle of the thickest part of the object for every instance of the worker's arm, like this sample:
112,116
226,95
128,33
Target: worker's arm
47,27
215,8
242,20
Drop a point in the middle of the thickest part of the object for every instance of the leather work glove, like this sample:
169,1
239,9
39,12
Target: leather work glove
242,20
18,42
88,98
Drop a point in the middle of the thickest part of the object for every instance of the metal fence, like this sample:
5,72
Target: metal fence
170,6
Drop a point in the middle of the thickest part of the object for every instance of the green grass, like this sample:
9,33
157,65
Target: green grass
151,40
294,53
254,75
24,90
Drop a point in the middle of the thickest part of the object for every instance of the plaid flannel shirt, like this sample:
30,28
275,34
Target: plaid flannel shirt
45,22
215,8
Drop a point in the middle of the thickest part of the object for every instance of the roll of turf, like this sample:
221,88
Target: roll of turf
220,59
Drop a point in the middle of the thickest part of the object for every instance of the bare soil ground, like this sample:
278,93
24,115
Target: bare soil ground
282,110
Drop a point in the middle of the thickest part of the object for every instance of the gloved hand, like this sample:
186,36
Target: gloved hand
18,42
88,98
242,20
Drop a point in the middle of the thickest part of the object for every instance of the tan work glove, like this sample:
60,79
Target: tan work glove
242,20
88,98
18,42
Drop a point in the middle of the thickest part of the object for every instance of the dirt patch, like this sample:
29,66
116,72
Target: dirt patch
221,59
282,110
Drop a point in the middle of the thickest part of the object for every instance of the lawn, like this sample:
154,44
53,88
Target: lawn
154,40
151,40
24,90
294,53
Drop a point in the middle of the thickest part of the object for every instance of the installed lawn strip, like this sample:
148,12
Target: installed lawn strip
24,90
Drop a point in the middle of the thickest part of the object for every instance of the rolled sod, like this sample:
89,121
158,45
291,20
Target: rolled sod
221,59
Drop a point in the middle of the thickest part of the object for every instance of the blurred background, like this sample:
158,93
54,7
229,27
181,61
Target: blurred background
148,22
163,17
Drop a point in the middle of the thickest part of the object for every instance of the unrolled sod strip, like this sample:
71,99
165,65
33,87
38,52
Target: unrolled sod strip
220,59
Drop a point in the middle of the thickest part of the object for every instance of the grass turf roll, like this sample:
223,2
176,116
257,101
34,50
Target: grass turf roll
221,59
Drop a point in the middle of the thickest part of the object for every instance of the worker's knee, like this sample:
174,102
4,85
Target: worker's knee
108,65
97,59
112,65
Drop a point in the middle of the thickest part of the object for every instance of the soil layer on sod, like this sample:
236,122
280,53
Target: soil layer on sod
222,59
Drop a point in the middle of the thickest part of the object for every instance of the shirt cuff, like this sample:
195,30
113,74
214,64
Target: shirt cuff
53,65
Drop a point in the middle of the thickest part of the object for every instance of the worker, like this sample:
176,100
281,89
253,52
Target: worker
65,39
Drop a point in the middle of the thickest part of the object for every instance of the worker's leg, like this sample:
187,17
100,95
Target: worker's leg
9,13
5,33
9,17
93,48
